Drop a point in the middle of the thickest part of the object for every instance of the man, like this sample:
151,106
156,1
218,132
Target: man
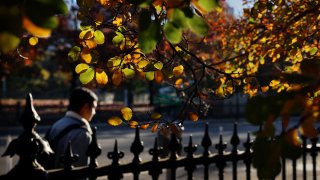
74,127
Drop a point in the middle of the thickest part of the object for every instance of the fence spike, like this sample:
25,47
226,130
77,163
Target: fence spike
235,140
136,147
69,158
155,151
190,149
28,146
206,141
94,149
116,155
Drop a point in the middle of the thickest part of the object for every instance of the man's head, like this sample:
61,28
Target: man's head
84,102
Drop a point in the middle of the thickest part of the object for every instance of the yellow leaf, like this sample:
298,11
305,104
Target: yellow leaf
155,116
90,43
86,55
117,78
101,77
117,21
34,29
81,67
154,127
133,124
126,113
114,121
143,63
33,41
193,116
178,70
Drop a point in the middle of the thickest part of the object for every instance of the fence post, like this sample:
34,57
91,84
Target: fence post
136,148
248,156
190,149
221,162
235,141
28,146
94,150
116,155
155,152
206,143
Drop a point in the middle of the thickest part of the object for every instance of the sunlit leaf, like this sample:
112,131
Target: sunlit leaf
150,75
133,124
178,70
99,37
117,78
313,51
90,43
117,21
119,38
34,29
81,67
128,73
8,42
158,77
143,63
158,65
74,53
33,41
144,126
87,76
178,82
156,116
101,77
172,33
86,55
154,127
198,25
207,5
193,116
126,113
114,121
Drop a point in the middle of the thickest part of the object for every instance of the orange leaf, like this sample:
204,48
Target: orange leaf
158,77
117,78
193,116
144,126
133,124
34,29
154,127
86,55
114,121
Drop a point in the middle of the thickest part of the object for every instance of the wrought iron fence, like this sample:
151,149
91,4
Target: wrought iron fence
28,144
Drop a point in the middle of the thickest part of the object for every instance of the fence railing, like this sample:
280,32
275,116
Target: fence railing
29,145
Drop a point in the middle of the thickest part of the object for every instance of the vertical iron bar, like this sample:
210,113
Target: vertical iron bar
136,148
206,143
283,168
314,155
155,152
190,149
247,159
221,146
294,169
304,154
235,141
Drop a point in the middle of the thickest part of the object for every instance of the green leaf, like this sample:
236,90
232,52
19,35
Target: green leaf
149,37
8,42
87,76
313,51
198,25
116,40
150,75
74,53
99,37
172,33
209,5
128,73
179,18
158,65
